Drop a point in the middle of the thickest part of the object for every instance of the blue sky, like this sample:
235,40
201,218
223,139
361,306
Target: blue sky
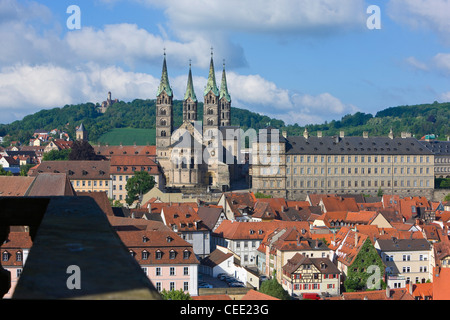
302,61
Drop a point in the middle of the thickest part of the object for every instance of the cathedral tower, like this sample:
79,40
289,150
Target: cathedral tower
211,114
224,101
190,100
164,113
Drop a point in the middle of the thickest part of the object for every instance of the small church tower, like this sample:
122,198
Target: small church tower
81,133
164,113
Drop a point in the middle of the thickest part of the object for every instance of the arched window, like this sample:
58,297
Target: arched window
163,112
210,111
163,122
163,133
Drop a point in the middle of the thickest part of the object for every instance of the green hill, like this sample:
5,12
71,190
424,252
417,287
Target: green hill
128,136
116,125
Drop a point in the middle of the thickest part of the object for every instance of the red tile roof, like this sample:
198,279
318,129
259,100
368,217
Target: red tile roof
256,295
153,241
14,186
212,297
254,230
334,204
441,283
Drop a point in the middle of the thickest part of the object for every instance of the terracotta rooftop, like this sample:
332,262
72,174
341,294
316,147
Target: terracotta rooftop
14,186
51,184
76,170
256,295
215,258
126,150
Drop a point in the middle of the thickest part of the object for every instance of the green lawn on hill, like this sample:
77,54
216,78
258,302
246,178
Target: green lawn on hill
128,137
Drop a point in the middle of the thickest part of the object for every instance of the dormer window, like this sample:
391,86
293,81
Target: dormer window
169,239
186,254
132,253
18,256
252,231
144,255
144,239
158,255
172,254
260,231
5,256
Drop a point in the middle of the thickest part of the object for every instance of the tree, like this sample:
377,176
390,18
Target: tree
447,197
4,172
380,192
24,169
57,155
363,271
175,295
139,184
272,288
82,150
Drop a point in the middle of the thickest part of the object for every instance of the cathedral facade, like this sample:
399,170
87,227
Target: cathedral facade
198,154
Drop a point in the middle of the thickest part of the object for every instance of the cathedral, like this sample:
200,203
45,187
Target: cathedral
198,154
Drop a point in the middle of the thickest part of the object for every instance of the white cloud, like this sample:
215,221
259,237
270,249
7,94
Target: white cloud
262,16
420,14
416,64
27,89
441,62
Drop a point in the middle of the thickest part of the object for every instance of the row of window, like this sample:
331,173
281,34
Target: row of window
133,169
407,257
90,183
158,286
355,170
358,159
349,183
312,286
7,255
172,271
145,255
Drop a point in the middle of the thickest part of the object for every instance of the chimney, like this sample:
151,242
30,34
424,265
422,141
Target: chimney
391,134
365,134
284,133
403,135
149,208
342,134
356,239
448,138
388,292
306,134
319,134
411,288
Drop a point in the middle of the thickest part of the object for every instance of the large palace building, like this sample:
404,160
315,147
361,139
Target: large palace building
341,165
198,154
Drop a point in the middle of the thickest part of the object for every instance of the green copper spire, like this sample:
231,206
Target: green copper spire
223,86
164,85
211,84
190,87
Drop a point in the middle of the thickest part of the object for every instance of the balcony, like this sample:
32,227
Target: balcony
73,243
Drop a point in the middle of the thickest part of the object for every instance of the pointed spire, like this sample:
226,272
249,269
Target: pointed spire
211,84
164,85
190,87
223,86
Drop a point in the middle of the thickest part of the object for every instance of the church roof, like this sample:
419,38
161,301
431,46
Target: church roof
190,88
211,84
223,87
164,85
